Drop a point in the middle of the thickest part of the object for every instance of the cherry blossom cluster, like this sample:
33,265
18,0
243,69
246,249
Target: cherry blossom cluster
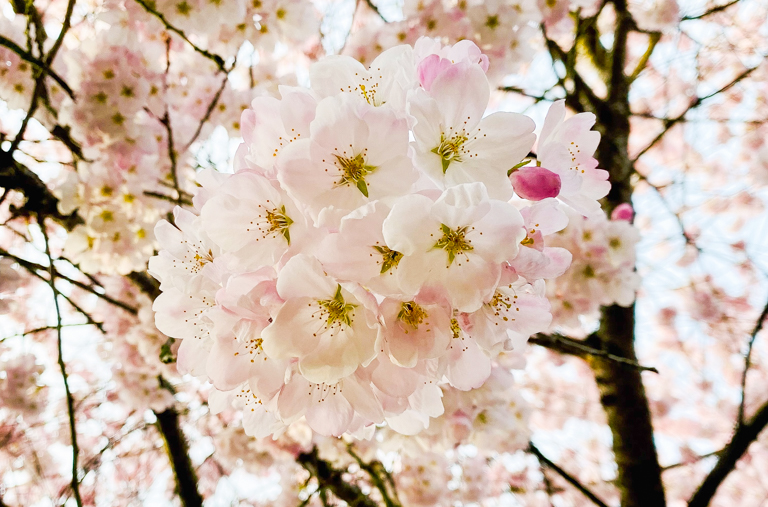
379,237
602,271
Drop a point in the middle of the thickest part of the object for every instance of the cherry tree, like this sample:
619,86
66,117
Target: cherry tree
433,253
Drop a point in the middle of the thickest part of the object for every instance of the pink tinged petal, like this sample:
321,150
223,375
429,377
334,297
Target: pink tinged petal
192,356
219,401
294,331
555,116
462,93
497,236
408,226
362,398
545,216
229,363
258,422
177,314
294,399
394,380
462,205
535,183
624,212
331,415
410,422
303,276
468,367
429,68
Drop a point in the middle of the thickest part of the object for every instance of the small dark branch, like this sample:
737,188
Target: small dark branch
219,61
62,134
580,348
178,453
70,400
180,201
331,479
374,470
208,112
39,330
375,9
34,267
39,91
744,435
748,360
565,475
695,460
145,283
40,65
40,201
671,122
713,10
520,91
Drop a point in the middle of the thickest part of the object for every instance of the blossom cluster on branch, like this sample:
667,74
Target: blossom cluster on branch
372,244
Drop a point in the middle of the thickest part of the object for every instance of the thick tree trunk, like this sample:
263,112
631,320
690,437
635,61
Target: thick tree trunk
622,393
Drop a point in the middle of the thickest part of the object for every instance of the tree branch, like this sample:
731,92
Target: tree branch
218,60
744,435
748,360
331,479
565,475
711,11
178,453
39,64
580,348
75,482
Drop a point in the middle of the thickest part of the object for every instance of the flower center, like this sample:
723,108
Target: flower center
273,222
279,221
390,258
336,311
449,150
411,314
353,172
502,304
454,242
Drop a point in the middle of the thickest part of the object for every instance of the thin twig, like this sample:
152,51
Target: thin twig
565,475
711,11
748,360
579,348
218,60
30,58
70,400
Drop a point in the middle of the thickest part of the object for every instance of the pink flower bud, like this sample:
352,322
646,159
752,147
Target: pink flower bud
623,212
429,68
535,183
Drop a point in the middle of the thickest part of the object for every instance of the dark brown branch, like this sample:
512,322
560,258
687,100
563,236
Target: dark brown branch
31,266
178,453
40,65
75,482
565,475
375,9
748,360
581,348
218,60
40,201
331,479
742,438
375,470
713,10
208,112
